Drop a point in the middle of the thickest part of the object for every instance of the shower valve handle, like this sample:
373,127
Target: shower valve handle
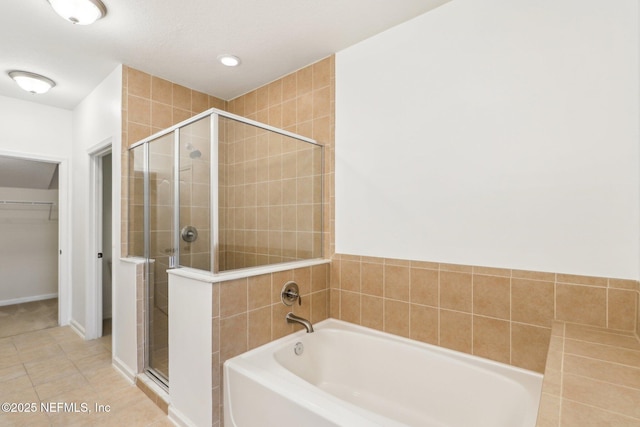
294,296
290,293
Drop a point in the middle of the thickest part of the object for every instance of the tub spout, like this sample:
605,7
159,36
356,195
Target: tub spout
292,318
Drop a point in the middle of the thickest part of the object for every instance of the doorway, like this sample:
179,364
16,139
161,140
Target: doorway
99,292
107,260
29,245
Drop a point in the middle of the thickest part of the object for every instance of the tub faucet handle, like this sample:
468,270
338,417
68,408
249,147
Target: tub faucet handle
290,293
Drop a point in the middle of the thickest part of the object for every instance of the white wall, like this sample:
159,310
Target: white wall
125,319
28,246
190,343
30,128
96,120
40,132
498,133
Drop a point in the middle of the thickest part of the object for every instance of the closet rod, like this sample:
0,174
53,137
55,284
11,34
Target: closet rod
26,202
50,205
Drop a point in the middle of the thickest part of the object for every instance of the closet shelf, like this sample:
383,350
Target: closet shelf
27,204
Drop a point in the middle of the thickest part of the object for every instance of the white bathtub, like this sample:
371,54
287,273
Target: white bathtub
352,376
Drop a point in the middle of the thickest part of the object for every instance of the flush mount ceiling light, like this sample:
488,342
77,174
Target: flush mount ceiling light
229,60
82,12
32,82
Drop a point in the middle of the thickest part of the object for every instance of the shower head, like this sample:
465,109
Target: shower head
195,154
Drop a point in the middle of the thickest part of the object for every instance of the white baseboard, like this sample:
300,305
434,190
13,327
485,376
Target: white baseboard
178,418
124,370
27,299
77,328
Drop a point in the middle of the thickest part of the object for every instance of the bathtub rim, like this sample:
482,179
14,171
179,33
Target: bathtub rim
332,323
286,384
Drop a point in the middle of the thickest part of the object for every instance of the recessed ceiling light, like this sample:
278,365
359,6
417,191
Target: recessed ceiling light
82,12
32,82
229,60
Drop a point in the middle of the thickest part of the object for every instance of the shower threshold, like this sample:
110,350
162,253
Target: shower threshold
157,378
155,390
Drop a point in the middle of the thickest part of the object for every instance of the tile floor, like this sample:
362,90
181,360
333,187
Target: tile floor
29,316
54,367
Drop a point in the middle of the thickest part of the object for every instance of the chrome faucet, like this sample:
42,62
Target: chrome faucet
292,318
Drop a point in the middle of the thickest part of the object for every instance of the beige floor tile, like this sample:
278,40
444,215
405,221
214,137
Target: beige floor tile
83,399
47,351
79,350
122,396
30,340
12,372
31,316
106,342
7,346
162,423
62,334
56,365
18,395
35,419
52,389
44,371
10,360
10,387
70,416
91,364
106,378
142,413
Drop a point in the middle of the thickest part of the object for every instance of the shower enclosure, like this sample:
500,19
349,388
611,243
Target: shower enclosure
218,192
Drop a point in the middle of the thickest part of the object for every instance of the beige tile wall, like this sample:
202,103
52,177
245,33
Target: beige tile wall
499,314
195,193
592,378
248,313
638,312
303,103
270,197
149,105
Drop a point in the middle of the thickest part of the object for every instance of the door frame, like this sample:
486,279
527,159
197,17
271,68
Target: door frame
64,230
93,327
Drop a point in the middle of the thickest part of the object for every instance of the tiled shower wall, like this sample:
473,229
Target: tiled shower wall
149,105
499,314
303,103
195,193
270,196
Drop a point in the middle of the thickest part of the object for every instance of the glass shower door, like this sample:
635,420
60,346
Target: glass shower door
195,195
161,252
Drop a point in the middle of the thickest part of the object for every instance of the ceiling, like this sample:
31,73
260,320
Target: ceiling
19,173
180,40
